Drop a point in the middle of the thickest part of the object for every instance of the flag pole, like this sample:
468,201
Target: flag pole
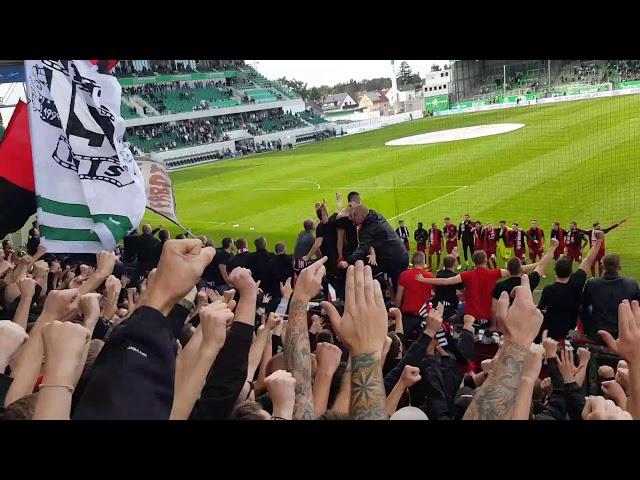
175,222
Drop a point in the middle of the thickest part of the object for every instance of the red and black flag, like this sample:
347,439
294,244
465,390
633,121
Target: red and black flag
17,190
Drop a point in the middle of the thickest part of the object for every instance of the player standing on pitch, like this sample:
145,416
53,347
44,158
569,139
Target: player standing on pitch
535,241
420,236
403,233
591,234
490,237
451,235
434,236
574,242
465,230
505,244
560,234
518,239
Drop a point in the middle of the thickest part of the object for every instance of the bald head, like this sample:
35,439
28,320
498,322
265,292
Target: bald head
359,213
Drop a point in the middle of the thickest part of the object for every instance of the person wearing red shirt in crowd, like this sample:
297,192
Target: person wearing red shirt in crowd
490,239
518,237
479,284
574,242
450,232
412,294
535,241
434,237
420,236
591,234
560,234
478,241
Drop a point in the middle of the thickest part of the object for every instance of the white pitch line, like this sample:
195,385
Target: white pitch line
201,221
231,189
427,203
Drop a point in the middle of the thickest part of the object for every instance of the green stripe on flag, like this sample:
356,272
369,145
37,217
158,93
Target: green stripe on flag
64,209
118,225
68,234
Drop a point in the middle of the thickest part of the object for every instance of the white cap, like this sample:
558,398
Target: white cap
409,413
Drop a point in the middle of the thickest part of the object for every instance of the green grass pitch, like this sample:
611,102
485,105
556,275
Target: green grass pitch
572,161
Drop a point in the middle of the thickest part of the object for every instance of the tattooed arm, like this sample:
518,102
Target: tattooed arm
363,328
297,357
496,397
297,350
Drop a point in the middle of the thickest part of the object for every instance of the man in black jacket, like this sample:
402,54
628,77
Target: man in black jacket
147,250
375,231
263,268
602,296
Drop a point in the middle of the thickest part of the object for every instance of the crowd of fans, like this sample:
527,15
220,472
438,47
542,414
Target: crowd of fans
627,70
344,328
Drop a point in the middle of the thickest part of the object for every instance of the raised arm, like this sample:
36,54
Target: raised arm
439,282
546,259
314,249
410,376
340,242
593,253
297,350
363,328
530,372
328,358
615,225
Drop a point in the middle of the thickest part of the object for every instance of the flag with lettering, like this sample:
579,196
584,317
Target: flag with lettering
89,190
158,188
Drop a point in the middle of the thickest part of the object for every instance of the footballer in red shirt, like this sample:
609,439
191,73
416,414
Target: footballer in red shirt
601,253
518,238
478,241
561,234
490,239
574,242
434,238
535,241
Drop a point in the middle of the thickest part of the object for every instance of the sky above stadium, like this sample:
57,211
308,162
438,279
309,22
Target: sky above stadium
329,72
314,72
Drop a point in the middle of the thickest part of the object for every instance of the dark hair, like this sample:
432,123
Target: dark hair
247,411
449,261
400,221
563,267
5,243
241,243
280,247
180,236
447,218
319,211
419,224
333,415
351,195
479,257
418,257
260,243
226,242
534,220
595,223
209,243
163,235
503,221
611,262
308,225
514,266
325,336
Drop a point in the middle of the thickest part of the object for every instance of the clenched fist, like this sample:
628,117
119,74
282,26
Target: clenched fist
281,387
12,336
328,357
64,344
410,376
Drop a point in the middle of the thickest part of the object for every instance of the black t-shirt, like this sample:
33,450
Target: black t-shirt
512,282
447,295
212,271
239,260
562,302
350,236
328,233
466,231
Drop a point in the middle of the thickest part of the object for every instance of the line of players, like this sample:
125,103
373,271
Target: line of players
502,241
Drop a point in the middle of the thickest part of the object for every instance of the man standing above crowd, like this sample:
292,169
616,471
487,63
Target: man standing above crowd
420,236
346,230
535,241
326,242
575,242
559,234
218,270
241,259
601,253
450,233
304,243
435,244
403,234
262,264
147,250
376,232
465,230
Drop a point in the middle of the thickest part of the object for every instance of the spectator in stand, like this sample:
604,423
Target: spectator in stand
241,259
147,250
34,238
602,297
304,243
217,272
284,263
262,264
560,301
448,295
412,294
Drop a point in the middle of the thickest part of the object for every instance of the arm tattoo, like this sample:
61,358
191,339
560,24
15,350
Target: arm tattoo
297,357
497,395
368,396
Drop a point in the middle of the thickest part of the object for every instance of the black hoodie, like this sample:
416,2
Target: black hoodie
391,253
